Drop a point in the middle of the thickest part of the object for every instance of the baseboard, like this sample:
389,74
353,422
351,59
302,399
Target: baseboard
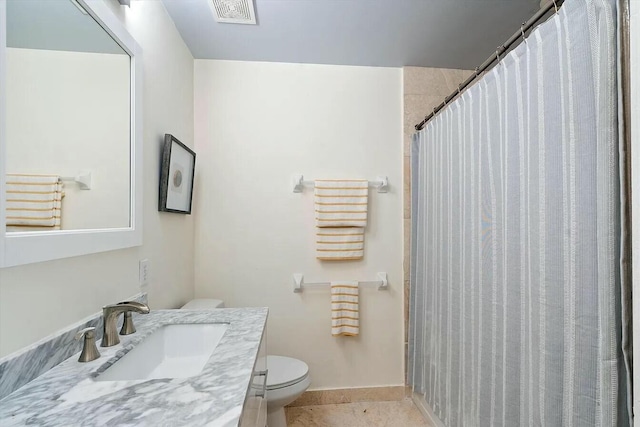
426,410
350,395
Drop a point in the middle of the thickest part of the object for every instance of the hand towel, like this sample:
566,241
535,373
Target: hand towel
341,203
336,244
33,201
344,308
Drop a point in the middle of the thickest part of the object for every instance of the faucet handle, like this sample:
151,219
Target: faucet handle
128,327
127,324
89,349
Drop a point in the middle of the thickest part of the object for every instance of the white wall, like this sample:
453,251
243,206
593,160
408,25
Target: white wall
635,170
63,109
39,299
257,124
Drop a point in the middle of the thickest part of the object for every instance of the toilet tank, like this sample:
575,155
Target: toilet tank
203,304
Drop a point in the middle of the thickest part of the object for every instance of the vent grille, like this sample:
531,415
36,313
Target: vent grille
234,11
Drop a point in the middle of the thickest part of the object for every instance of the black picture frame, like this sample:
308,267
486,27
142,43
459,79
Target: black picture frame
173,196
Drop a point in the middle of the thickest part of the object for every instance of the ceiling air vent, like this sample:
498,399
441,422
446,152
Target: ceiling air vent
234,11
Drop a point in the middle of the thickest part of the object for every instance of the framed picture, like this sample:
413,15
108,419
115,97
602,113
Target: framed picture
176,176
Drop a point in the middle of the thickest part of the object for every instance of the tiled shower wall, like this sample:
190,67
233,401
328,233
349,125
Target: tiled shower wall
424,89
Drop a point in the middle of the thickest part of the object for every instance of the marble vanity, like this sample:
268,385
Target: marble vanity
223,394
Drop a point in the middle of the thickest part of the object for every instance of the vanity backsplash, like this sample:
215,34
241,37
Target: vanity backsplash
25,365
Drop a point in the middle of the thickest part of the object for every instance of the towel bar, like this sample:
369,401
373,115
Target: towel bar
298,183
382,282
83,179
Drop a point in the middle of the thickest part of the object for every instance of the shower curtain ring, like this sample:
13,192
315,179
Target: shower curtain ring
476,70
555,5
522,32
498,53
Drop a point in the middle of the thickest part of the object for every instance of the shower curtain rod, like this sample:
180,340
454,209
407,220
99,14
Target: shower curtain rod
526,26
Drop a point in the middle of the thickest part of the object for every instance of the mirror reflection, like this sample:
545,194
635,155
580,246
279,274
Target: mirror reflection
68,120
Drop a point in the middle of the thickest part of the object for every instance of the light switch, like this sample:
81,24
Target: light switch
144,275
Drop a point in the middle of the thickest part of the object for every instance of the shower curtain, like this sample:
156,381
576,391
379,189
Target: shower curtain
515,309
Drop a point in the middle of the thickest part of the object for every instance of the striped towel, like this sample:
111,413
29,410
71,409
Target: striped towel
341,203
341,215
33,201
344,309
339,243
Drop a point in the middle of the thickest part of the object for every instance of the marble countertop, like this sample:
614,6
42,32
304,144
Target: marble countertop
68,395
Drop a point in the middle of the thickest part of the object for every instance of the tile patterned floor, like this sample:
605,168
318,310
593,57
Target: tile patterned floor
402,413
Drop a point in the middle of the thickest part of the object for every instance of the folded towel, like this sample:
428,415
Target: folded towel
338,244
341,203
344,309
33,201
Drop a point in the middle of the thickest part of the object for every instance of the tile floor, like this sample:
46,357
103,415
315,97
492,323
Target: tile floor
402,413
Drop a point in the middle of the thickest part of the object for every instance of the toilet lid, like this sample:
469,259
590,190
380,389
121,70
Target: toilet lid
203,304
285,371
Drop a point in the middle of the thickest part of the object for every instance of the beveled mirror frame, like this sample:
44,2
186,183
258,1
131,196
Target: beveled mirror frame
29,247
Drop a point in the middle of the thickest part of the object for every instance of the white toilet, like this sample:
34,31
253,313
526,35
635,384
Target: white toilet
288,378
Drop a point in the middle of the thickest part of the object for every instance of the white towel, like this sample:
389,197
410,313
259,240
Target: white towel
341,203
33,201
339,244
341,215
345,319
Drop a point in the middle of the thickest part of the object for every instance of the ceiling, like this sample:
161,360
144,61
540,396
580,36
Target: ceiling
387,33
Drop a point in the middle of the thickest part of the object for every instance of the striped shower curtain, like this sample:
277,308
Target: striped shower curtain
516,308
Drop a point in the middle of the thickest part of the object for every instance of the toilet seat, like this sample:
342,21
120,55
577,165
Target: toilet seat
285,371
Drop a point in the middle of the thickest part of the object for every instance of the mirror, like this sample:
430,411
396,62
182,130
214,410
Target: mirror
67,120
70,131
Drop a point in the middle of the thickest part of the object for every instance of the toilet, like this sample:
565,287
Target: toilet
288,378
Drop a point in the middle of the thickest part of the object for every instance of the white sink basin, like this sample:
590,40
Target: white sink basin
173,351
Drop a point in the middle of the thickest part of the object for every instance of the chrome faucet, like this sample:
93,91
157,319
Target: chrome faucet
110,314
